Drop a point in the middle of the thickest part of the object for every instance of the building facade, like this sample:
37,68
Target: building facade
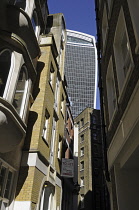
81,71
90,161
118,47
32,105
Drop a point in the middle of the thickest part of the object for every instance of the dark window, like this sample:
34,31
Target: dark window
81,165
94,136
5,65
82,122
94,119
82,138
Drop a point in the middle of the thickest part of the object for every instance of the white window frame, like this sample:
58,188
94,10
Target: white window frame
46,125
56,94
53,136
82,152
26,91
82,181
59,148
62,105
51,76
17,62
47,197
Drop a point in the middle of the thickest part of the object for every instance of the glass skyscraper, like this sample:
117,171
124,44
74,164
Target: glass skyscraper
81,71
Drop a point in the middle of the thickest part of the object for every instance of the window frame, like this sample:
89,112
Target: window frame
82,165
82,138
25,91
46,126
8,169
82,122
56,94
51,77
82,181
122,79
35,23
82,151
11,69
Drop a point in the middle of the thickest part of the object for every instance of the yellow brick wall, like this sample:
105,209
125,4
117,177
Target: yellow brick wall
25,182
87,172
37,183
58,195
29,185
31,178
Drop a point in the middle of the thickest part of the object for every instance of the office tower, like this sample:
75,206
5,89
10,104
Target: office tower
118,55
81,71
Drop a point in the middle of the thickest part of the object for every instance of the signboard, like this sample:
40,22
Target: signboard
67,168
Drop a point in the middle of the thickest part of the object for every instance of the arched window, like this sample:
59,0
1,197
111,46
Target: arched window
21,90
6,64
35,23
46,199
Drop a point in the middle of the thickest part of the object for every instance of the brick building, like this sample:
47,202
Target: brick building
118,47
32,105
90,160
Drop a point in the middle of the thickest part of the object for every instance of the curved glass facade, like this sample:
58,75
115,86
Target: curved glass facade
80,71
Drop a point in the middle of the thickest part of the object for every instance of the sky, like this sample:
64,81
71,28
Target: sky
79,14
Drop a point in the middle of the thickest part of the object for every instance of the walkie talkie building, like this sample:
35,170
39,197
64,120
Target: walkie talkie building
81,71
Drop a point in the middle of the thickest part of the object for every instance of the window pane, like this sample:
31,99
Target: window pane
8,184
5,64
20,89
2,176
35,24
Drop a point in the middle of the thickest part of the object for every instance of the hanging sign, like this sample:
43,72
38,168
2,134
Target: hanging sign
67,168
